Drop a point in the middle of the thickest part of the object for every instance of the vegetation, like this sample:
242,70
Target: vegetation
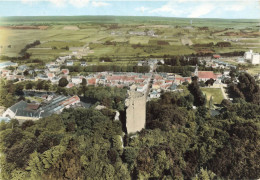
178,143
246,89
214,93
199,98
179,140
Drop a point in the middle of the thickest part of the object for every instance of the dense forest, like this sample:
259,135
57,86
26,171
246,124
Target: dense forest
179,142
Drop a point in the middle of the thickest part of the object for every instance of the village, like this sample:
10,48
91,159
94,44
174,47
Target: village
152,84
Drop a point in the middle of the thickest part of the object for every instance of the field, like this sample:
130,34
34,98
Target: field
124,38
215,93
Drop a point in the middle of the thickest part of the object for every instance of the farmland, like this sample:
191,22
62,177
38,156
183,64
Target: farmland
124,38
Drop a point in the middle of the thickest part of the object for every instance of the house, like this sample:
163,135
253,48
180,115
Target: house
173,87
54,68
91,81
55,80
140,63
65,71
61,59
70,85
22,68
161,61
83,63
76,80
216,56
204,75
42,77
141,88
5,73
154,94
156,85
50,75
69,63
7,64
240,60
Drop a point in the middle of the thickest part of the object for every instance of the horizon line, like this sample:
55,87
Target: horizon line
130,16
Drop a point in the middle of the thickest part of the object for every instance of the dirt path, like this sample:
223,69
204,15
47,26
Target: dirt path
223,92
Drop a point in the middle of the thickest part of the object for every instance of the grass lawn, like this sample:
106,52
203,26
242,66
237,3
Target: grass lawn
215,93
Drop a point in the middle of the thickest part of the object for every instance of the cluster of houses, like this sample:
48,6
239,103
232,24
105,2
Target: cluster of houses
142,33
217,63
52,71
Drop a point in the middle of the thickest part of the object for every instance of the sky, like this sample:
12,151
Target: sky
228,9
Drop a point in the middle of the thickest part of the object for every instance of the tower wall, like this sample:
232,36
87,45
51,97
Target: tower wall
135,112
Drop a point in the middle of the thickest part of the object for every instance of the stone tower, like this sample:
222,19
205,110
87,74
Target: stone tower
135,112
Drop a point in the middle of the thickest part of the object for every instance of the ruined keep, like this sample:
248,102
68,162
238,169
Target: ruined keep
136,111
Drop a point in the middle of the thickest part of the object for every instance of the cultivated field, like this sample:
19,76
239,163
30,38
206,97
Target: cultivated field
124,38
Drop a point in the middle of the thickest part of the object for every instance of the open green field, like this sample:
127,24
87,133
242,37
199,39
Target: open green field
109,36
215,93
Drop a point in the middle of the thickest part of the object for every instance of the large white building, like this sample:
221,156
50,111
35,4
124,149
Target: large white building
253,58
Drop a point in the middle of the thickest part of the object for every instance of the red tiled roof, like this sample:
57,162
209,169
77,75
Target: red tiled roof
51,75
168,81
70,85
32,106
216,56
70,100
65,71
206,75
92,81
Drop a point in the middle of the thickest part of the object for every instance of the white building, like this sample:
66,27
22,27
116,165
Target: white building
76,80
255,58
248,55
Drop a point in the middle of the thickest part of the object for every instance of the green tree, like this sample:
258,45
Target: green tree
63,82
